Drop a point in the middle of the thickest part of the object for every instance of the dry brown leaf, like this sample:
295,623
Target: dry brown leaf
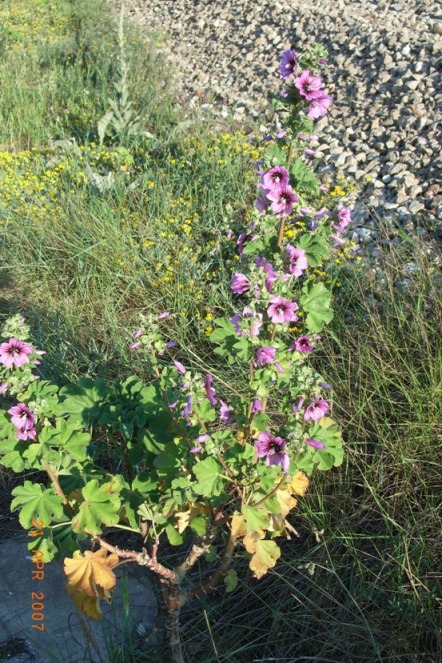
93,571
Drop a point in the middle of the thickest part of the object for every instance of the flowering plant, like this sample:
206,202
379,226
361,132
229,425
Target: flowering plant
213,464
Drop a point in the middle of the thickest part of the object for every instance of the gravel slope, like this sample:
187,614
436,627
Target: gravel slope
383,72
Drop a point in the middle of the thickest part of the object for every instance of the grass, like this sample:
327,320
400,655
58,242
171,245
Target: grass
83,253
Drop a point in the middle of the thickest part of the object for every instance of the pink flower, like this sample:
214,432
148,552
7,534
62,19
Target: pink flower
163,315
275,178
308,85
224,413
316,410
302,344
240,284
3,387
210,391
265,355
271,448
281,310
256,406
180,368
282,200
318,106
298,406
138,333
134,346
298,260
316,444
15,353
268,269
344,219
21,416
26,433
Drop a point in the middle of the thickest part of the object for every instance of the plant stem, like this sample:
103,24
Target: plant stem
58,489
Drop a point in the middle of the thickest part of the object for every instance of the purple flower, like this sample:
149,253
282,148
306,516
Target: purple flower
138,333
21,416
324,385
318,107
3,387
278,367
210,391
263,202
187,410
302,344
265,355
288,64
316,410
323,188
256,406
309,152
134,346
281,310
240,284
242,238
282,200
161,316
298,406
303,137
308,85
26,433
180,368
268,269
344,219
281,133
312,137
195,450
339,241
271,448
316,444
203,438
276,178
171,344
298,260
224,413
15,353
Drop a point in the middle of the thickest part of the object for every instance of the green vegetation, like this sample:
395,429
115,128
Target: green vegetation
94,233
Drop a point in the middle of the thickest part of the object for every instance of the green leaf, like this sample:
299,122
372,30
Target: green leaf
316,301
37,503
256,519
175,538
101,505
315,247
231,580
324,460
224,329
199,525
207,473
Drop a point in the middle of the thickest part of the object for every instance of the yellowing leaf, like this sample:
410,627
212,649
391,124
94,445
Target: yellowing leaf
266,555
90,573
251,540
277,523
84,603
238,526
183,518
299,483
285,501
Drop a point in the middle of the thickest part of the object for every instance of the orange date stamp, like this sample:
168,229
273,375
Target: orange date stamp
38,573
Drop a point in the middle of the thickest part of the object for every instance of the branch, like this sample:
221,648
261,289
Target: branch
200,547
215,578
141,558
58,489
